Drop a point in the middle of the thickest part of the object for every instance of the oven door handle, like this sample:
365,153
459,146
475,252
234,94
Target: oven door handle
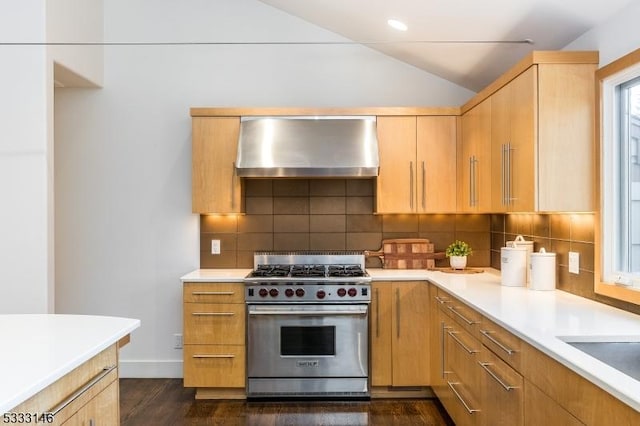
310,313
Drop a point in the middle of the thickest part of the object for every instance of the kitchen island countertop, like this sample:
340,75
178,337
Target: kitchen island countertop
39,349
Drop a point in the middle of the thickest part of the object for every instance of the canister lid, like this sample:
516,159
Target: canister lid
543,253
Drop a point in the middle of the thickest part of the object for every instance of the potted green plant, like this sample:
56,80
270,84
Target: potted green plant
457,253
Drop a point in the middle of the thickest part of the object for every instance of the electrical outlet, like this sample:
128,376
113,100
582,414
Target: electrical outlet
574,262
177,341
215,246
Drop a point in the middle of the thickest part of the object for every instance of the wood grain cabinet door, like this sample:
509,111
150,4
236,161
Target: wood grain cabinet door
396,182
215,186
474,160
436,164
410,334
380,334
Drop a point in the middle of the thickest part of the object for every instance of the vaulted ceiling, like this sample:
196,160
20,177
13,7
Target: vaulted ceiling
467,42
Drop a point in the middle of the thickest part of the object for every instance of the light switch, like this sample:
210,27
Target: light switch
215,246
574,262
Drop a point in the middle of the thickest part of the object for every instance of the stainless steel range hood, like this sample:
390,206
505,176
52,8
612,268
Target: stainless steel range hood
307,147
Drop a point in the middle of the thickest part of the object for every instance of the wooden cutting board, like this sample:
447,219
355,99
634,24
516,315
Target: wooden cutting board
407,253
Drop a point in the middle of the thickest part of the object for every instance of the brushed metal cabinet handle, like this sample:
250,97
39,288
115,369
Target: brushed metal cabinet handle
398,313
465,319
233,185
443,330
206,356
464,403
411,184
461,343
84,388
213,314
377,312
424,187
471,181
487,334
213,293
485,366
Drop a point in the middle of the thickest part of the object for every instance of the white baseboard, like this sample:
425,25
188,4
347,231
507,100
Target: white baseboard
150,369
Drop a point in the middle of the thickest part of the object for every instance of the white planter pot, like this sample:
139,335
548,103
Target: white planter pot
458,262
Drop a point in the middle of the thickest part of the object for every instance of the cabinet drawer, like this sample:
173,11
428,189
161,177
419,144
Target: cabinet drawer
539,409
214,366
76,389
213,293
463,408
504,344
463,354
209,323
467,318
502,392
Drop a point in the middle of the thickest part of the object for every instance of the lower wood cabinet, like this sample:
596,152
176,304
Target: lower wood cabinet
485,375
214,339
87,396
101,410
502,392
399,334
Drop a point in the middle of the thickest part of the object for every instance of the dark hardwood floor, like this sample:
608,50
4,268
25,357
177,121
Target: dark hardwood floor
161,402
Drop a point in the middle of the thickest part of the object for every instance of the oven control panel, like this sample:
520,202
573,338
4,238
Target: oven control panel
307,293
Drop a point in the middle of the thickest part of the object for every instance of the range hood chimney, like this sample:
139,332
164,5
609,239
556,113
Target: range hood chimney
307,147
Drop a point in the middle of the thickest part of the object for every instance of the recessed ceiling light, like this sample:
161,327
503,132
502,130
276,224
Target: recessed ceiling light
398,25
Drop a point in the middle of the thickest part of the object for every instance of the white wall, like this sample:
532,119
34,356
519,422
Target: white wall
124,228
72,21
25,197
615,38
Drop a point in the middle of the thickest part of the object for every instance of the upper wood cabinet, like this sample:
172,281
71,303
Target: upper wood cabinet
474,160
215,186
542,140
417,164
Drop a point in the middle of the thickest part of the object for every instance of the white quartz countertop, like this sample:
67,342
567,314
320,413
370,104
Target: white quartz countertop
544,319
37,350
216,275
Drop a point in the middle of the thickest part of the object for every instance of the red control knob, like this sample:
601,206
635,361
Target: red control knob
263,292
299,292
353,292
273,292
342,292
321,294
288,292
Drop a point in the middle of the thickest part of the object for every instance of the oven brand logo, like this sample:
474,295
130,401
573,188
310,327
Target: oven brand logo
314,363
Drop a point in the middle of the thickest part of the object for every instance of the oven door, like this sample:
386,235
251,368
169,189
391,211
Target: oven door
307,341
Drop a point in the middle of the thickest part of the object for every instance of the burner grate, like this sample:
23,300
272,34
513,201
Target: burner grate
345,271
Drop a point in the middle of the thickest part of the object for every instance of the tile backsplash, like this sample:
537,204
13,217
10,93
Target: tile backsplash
560,234
327,214
337,214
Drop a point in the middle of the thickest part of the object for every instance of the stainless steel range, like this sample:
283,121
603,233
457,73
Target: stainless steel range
307,323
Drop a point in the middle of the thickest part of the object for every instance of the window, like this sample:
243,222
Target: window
619,187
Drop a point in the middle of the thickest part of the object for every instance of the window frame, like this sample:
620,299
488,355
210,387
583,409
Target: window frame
608,78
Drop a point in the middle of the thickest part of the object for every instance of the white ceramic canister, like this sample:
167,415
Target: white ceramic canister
521,242
543,271
513,265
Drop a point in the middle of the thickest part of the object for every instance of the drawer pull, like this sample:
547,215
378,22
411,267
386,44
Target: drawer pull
213,293
485,366
202,356
465,319
213,314
465,347
487,334
457,394
441,300
102,374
